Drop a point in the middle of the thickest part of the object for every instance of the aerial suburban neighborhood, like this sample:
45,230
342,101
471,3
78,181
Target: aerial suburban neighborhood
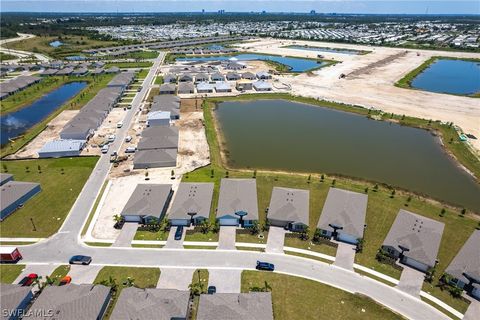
211,161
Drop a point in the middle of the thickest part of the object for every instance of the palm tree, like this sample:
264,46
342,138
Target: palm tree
117,218
129,282
205,226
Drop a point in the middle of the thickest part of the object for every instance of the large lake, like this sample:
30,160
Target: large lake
450,76
283,135
16,123
295,64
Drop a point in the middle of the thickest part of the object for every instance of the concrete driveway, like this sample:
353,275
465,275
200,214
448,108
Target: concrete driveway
345,256
473,311
175,278
225,280
226,238
42,270
171,242
411,281
275,240
83,274
127,234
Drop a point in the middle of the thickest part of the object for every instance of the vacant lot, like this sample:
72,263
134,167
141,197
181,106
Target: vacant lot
297,298
61,181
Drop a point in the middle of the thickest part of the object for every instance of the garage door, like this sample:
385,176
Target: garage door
346,238
132,218
179,222
228,222
476,293
415,264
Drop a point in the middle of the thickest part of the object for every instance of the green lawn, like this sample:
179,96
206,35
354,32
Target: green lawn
141,278
95,206
139,55
95,84
250,238
199,276
199,236
308,245
61,181
381,210
6,56
10,272
59,273
159,80
138,64
150,235
298,298
143,73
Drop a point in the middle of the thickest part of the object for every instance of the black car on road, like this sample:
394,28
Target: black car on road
179,233
265,266
84,260
211,290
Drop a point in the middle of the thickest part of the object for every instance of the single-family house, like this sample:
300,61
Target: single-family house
264,75
186,88
343,215
235,306
14,300
14,194
61,148
243,85
414,240
148,201
262,85
289,208
205,87
249,75
5,177
191,204
170,78
233,76
464,270
155,158
186,77
167,88
223,86
201,77
237,203
158,118
217,76
151,304
72,301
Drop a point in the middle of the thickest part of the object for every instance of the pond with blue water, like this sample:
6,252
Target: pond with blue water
16,123
56,43
294,64
289,136
450,76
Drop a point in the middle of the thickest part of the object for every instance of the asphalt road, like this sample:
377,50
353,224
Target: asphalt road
60,247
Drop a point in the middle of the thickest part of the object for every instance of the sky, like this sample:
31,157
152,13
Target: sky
320,6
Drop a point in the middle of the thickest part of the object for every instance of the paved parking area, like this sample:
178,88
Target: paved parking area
41,270
83,274
473,311
226,280
171,242
126,235
275,240
226,238
175,278
411,281
345,256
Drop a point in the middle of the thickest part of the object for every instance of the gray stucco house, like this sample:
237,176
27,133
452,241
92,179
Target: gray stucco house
414,239
465,267
237,199
146,202
289,208
14,299
343,215
235,306
191,204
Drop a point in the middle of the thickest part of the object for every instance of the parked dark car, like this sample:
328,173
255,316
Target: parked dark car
84,260
28,280
211,290
265,266
179,233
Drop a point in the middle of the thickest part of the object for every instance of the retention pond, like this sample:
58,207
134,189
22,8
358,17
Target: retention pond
450,76
289,136
16,123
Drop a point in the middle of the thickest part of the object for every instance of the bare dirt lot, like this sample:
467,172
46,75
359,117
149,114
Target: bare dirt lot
373,85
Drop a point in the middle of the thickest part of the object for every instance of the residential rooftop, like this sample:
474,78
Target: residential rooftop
467,260
192,198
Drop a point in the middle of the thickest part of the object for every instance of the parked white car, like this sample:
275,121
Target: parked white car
128,138
105,148
120,124
111,138
130,150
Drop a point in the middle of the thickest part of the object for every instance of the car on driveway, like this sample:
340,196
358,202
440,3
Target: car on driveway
84,260
28,280
265,266
179,233
65,280
211,290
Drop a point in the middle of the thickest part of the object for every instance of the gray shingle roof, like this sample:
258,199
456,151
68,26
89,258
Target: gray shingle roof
467,260
12,296
346,209
192,198
186,87
235,306
238,195
158,131
147,200
291,205
167,87
165,142
72,301
4,177
14,190
419,234
151,304
155,158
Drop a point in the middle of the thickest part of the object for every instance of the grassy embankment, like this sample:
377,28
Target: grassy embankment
139,55
406,82
7,56
72,45
49,208
382,208
127,65
95,84
141,278
294,297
